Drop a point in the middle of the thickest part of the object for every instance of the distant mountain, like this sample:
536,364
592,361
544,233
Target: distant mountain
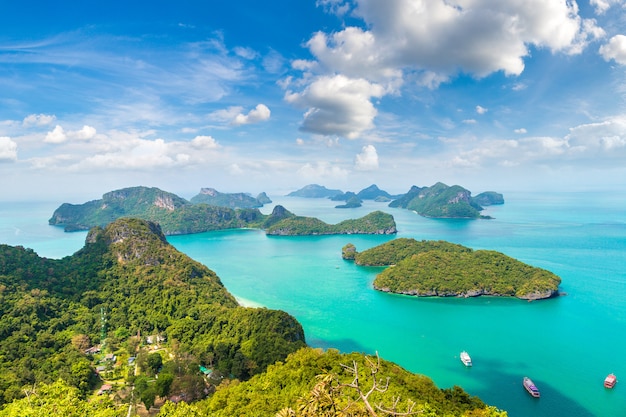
443,201
263,199
233,200
352,202
343,196
372,193
314,191
177,216
488,198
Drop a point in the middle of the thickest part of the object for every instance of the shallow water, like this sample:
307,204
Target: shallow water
566,345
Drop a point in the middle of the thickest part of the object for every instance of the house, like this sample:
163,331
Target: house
92,350
105,389
110,357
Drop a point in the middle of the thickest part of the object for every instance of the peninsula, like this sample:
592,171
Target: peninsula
443,269
177,216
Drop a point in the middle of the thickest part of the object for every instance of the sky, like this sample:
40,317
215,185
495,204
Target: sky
251,96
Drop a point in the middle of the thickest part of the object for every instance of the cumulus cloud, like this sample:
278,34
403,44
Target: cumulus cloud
59,135
38,120
260,113
602,6
481,110
322,170
367,160
430,41
204,142
615,49
337,105
520,131
8,149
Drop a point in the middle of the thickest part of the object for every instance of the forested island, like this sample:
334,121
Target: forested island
444,269
437,201
177,216
129,323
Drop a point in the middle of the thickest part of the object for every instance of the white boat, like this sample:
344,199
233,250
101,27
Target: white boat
531,387
465,358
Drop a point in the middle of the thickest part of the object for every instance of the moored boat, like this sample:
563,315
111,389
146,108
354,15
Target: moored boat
465,358
530,386
610,380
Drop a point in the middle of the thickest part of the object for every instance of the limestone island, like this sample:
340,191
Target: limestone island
177,216
444,269
443,201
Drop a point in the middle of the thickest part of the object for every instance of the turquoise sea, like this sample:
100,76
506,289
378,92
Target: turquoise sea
566,345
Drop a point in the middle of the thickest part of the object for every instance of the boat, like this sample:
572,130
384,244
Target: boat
610,380
465,358
530,387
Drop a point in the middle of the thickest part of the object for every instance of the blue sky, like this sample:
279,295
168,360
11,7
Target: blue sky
270,96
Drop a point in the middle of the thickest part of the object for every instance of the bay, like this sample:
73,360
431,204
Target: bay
566,345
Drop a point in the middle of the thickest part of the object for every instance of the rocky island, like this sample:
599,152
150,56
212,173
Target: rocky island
443,201
177,216
443,269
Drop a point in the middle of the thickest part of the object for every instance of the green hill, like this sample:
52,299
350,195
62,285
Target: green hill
213,197
443,201
51,310
438,268
176,216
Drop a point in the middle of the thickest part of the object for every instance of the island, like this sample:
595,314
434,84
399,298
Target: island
213,197
129,319
443,201
314,191
177,216
444,269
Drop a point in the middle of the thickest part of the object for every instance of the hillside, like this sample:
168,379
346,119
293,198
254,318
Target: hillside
51,311
314,191
213,197
437,268
443,201
176,215
62,319
376,222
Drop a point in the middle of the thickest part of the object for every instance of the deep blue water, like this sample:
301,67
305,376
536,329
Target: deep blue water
566,345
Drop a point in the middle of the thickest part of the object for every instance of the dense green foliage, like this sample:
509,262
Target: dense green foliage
50,309
376,222
177,216
352,202
443,201
392,252
233,200
288,384
437,268
58,399
488,198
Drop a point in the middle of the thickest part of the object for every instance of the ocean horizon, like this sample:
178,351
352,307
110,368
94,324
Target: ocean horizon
567,345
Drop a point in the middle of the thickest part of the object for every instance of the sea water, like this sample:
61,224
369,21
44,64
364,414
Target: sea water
567,345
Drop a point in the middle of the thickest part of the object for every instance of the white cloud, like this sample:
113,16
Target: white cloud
260,113
87,132
602,6
367,160
8,149
321,171
481,110
38,120
247,53
57,135
337,105
204,142
521,131
615,49
479,36
337,7
470,121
